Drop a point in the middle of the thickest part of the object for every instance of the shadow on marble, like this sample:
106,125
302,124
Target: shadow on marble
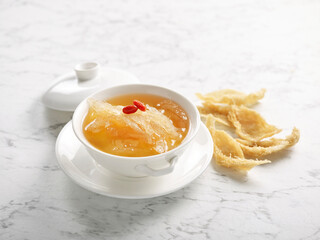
280,156
238,176
46,123
96,215
56,120
117,217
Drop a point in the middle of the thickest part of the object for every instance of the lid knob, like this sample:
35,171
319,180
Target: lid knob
87,71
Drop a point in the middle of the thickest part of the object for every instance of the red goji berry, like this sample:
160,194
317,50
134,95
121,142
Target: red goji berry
129,109
139,105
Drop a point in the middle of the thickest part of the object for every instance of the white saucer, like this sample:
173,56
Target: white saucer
82,169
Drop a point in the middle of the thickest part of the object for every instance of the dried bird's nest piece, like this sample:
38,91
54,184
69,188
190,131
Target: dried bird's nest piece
266,147
227,107
218,117
232,97
227,151
250,125
218,111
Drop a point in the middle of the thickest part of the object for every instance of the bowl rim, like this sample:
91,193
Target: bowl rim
185,142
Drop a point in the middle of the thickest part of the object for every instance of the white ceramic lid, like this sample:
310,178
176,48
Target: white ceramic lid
70,89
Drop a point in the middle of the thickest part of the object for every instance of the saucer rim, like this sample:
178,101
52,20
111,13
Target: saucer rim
80,181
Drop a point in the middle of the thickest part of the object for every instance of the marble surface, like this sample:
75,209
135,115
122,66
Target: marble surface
190,46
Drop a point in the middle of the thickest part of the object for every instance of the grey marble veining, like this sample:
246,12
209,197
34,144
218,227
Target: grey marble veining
190,46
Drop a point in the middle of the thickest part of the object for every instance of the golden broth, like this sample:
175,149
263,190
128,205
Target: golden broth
120,139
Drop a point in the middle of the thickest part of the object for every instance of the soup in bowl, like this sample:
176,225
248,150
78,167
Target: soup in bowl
136,130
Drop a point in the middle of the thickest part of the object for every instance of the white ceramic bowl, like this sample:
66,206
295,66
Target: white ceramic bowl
155,165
